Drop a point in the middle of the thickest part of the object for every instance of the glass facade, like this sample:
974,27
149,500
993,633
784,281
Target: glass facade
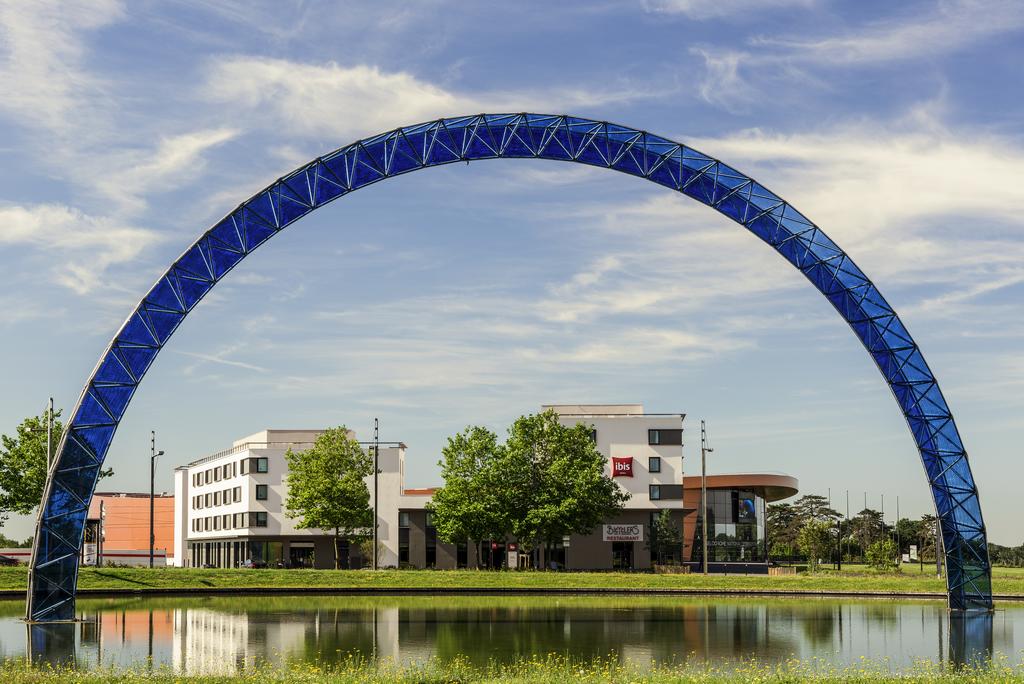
135,346
736,527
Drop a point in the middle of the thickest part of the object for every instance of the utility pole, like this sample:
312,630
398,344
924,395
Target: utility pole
99,541
682,470
847,528
49,435
704,451
376,472
899,549
153,453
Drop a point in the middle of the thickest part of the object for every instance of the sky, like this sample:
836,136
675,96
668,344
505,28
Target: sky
472,294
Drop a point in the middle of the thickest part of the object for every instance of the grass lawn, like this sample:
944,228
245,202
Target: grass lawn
550,670
851,579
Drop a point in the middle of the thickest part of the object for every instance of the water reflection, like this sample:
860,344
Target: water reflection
228,635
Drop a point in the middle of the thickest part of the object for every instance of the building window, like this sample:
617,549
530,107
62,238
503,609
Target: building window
238,494
663,437
261,465
655,492
216,474
216,498
216,522
593,435
226,521
261,492
244,463
654,464
227,470
209,476
430,519
431,550
258,518
403,519
239,519
209,500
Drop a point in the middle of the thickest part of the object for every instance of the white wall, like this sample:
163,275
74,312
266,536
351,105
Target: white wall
273,445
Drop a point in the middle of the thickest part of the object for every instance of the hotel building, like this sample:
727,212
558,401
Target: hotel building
229,507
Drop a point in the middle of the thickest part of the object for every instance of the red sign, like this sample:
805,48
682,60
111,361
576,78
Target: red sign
622,466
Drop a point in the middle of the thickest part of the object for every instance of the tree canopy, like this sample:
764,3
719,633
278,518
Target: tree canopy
545,482
468,506
666,538
815,540
327,489
23,464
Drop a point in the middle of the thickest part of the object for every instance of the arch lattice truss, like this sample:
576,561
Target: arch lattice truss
73,476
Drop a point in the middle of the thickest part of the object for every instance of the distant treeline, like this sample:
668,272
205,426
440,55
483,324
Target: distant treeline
1007,556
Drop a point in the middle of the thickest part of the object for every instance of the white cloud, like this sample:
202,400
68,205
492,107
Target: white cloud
77,248
340,101
910,204
129,175
710,9
950,27
41,75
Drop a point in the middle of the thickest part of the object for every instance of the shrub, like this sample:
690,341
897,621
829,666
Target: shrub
882,555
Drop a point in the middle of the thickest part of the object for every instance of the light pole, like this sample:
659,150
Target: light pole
376,472
49,435
704,451
153,453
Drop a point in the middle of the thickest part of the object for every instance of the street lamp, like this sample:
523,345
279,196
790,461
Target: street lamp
152,476
704,451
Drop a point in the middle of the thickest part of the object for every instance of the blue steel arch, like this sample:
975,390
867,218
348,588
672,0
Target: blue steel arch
103,402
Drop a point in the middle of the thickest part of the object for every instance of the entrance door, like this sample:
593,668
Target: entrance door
300,556
622,555
493,555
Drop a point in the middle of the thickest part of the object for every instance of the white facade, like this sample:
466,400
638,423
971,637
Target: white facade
238,496
624,431
229,503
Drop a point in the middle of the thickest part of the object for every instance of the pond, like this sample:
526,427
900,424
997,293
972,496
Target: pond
197,635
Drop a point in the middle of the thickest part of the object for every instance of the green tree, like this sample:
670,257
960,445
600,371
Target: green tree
783,529
866,528
814,507
545,482
666,538
555,480
8,543
815,540
23,465
327,490
881,555
928,539
909,532
468,506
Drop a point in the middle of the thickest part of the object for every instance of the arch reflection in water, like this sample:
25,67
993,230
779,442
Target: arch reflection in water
225,636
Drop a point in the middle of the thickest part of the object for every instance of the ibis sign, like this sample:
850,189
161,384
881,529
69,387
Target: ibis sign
622,466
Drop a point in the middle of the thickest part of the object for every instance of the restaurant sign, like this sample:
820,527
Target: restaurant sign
623,533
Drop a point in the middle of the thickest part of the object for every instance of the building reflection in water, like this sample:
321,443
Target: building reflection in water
225,637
